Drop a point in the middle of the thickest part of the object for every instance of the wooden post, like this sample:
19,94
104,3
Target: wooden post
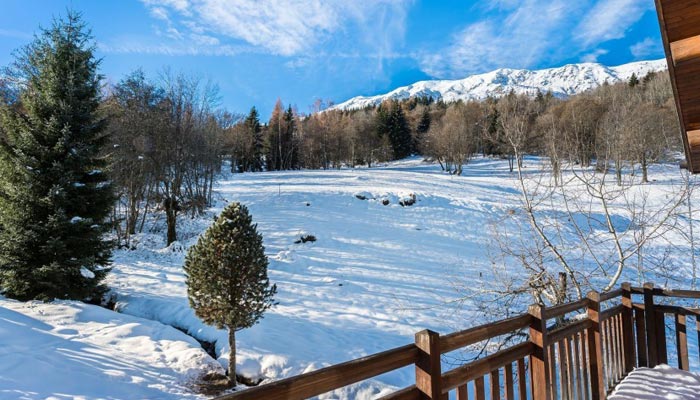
539,362
681,342
428,369
628,327
595,348
650,325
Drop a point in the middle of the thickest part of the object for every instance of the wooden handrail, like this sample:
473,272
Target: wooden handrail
330,378
457,340
610,352
480,367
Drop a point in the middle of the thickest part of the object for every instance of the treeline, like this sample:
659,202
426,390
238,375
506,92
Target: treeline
615,126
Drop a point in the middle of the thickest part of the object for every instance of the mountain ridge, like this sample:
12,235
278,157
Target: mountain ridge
562,81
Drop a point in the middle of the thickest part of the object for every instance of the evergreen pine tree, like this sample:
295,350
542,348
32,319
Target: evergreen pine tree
422,127
54,196
290,156
399,132
252,124
226,270
633,81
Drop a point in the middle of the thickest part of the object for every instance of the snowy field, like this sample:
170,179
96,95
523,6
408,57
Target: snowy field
376,275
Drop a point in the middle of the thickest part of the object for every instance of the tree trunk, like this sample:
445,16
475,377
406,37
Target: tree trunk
171,219
645,174
232,357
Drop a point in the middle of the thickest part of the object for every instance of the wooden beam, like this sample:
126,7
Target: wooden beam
685,49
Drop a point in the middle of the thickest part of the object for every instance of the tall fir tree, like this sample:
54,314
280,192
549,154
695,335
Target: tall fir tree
399,132
54,195
226,271
252,123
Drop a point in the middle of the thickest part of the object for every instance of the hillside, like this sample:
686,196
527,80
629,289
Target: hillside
563,81
376,275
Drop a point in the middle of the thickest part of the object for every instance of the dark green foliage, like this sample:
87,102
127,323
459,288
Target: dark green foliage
54,197
226,271
392,123
252,124
633,81
282,147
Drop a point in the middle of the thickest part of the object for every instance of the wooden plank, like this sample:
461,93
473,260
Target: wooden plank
641,331
586,364
428,367
462,392
326,379
650,324
556,311
471,371
508,387
568,330
605,296
563,370
539,362
628,328
479,391
495,383
552,354
468,337
578,378
681,342
611,312
409,393
595,357
685,49
570,366
661,337
620,348
522,382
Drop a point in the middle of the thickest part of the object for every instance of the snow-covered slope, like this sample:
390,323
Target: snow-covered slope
563,81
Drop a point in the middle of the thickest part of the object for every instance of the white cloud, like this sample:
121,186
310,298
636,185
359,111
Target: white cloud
521,39
593,56
287,27
610,19
645,48
521,34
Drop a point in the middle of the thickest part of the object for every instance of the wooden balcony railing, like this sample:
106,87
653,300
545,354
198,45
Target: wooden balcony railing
578,350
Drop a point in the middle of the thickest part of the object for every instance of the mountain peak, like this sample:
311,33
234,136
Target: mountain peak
562,81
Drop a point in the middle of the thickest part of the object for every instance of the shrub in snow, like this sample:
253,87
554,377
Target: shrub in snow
53,207
306,238
226,271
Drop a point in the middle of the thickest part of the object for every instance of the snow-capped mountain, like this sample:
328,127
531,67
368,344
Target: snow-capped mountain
563,81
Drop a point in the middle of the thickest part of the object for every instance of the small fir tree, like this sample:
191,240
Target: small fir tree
54,196
227,282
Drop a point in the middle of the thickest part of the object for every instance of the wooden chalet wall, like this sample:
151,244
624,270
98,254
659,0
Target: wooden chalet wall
680,29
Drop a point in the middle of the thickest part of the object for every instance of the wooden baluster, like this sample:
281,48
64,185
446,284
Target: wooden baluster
697,329
539,362
595,356
650,323
462,392
522,383
479,388
553,370
627,327
495,383
428,368
641,337
681,342
563,375
585,364
605,346
509,395
570,364
620,348
578,364
661,337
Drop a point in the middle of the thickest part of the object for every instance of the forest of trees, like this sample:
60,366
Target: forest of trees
168,137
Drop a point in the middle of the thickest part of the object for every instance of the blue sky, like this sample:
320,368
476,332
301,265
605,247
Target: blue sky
300,50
